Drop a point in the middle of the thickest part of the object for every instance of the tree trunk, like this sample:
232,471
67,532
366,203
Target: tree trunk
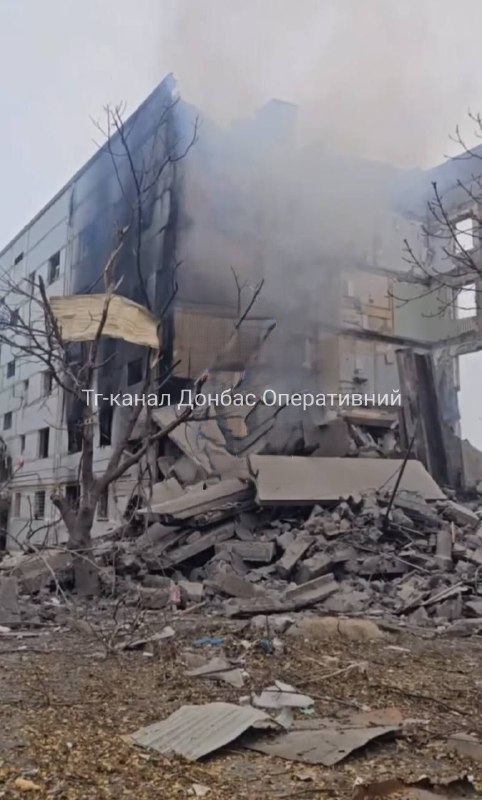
86,574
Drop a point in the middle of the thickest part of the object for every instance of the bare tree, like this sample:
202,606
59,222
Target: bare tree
30,327
452,230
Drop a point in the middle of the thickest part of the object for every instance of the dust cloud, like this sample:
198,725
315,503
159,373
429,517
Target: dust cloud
382,79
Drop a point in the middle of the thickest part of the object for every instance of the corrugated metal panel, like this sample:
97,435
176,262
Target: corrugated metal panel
195,731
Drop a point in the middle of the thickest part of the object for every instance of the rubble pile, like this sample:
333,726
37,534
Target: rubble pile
264,534
418,562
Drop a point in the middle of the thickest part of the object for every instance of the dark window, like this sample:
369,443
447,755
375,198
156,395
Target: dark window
31,280
7,420
134,371
25,389
106,414
14,317
103,505
22,443
43,442
18,258
11,369
74,436
39,504
72,493
54,267
47,380
16,504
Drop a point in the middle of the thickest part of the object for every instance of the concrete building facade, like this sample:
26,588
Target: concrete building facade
325,234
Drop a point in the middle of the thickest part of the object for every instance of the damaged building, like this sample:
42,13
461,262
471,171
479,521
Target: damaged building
341,309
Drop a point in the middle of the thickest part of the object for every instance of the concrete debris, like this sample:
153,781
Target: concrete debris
36,571
466,744
305,481
312,592
293,553
325,534
154,598
227,582
255,552
199,790
202,499
460,514
333,627
281,695
217,669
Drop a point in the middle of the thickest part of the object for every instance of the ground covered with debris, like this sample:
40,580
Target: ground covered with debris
72,698
306,627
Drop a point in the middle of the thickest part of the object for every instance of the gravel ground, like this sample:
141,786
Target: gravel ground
65,703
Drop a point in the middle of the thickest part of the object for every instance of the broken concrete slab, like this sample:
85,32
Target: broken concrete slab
35,571
293,553
227,582
201,499
312,592
157,535
313,567
253,551
297,480
460,514
466,744
443,552
9,606
474,556
475,607
165,490
153,598
187,472
195,731
200,545
193,591
203,442
416,508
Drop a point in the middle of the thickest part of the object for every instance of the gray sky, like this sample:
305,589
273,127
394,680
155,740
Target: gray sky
379,78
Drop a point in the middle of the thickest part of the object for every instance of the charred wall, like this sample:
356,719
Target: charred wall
131,185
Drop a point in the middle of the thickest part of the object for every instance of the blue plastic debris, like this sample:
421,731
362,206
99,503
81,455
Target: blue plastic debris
207,640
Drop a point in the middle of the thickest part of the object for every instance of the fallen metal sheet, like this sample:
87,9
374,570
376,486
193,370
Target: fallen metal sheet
220,670
79,317
296,480
318,741
282,695
200,501
195,731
